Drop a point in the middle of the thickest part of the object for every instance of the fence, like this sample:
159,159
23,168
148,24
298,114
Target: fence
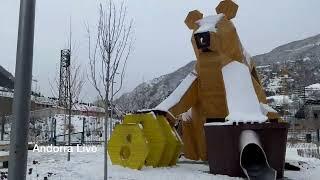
50,126
303,135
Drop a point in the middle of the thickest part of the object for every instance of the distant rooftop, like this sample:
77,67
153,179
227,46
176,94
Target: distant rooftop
6,78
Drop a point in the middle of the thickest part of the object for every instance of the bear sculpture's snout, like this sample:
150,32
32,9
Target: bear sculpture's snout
203,41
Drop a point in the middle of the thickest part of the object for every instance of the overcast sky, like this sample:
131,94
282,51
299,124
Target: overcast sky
162,40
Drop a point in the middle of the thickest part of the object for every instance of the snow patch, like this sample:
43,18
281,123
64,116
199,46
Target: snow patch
279,100
247,58
242,102
187,116
263,67
306,59
274,85
265,108
313,87
303,47
178,93
208,24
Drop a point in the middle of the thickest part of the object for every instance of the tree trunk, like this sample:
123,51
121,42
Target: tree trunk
106,141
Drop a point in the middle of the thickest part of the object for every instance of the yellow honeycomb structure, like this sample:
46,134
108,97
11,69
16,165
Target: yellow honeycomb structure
159,143
178,149
173,143
128,146
153,133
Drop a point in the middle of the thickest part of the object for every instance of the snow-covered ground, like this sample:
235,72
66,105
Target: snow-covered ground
310,167
89,166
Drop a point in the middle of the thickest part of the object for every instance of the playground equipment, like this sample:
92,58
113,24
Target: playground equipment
235,152
222,100
224,87
144,139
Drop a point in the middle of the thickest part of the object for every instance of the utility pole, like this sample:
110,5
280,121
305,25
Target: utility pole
70,109
70,93
22,90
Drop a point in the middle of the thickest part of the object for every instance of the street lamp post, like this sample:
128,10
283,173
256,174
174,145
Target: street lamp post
22,91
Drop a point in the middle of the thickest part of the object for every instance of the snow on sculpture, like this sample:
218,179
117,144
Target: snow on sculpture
242,102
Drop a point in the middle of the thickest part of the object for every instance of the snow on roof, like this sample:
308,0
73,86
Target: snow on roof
306,59
279,100
208,23
53,102
6,94
242,101
262,67
84,107
44,100
178,93
313,87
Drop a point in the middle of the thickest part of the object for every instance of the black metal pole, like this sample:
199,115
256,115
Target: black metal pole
2,126
70,107
22,90
70,102
83,124
55,132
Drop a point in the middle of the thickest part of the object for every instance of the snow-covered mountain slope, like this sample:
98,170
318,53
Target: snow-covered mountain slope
150,94
302,49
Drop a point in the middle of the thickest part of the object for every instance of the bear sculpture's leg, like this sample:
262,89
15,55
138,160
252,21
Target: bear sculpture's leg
198,121
189,141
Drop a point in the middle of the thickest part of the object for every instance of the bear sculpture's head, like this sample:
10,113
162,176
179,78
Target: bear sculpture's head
216,34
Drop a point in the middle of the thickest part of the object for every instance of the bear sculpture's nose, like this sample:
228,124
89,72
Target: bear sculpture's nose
203,41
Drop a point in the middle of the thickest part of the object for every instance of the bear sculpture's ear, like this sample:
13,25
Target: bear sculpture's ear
191,19
228,8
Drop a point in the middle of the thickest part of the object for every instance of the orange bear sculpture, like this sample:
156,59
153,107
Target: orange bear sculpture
201,97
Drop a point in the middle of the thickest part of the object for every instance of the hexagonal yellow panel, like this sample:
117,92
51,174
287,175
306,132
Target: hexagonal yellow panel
228,8
173,143
153,133
178,149
128,146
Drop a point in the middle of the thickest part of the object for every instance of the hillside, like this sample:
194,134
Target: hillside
296,50
150,94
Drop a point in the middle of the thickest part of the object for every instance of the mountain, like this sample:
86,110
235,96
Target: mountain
309,47
150,94
286,69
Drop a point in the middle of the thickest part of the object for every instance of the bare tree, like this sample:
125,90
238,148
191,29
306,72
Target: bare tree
108,54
